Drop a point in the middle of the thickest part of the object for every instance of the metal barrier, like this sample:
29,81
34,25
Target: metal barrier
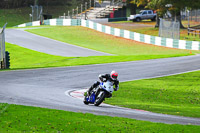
2,48
194,32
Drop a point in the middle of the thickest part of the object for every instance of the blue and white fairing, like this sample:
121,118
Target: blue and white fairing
107,86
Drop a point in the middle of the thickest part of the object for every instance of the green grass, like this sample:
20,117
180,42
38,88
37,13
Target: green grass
176,95
17,118
148,22
14,16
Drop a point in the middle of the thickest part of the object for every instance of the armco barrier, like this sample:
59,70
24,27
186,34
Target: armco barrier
159,41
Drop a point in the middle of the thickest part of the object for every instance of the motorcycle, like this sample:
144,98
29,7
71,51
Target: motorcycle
98,94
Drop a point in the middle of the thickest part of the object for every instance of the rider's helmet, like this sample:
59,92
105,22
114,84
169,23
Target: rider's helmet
114,75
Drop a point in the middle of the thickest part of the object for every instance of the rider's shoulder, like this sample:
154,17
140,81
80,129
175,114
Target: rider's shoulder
108,75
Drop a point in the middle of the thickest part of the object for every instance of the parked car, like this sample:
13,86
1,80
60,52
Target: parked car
144,14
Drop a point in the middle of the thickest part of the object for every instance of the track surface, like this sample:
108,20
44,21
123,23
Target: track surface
47,87
46,45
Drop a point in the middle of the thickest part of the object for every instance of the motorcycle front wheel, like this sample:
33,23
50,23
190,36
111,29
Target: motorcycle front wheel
99,99
85,101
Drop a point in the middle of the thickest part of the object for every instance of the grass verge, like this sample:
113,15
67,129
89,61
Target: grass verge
176,95
17,118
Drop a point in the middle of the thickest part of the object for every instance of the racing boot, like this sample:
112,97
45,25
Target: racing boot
90,90
87,93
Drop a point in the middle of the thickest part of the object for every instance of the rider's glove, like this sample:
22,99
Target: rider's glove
100,78
116,88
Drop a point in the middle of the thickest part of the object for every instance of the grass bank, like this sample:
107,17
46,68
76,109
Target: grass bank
16,16
176,95
16,118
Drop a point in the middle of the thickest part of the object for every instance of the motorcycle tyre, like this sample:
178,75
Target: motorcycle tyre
85,101
97,103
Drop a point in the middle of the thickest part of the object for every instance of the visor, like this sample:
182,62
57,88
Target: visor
114,77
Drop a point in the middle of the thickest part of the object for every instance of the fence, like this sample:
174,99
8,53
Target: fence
36,12
190,18
169,29
193,15
2,48
193,18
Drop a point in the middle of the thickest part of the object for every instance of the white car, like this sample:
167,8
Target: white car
144,14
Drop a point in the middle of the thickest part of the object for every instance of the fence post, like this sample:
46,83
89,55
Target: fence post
72,13
160,27
85,6
81,8
68,14
77,12
2,48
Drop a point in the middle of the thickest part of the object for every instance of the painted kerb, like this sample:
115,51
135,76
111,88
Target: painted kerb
159,41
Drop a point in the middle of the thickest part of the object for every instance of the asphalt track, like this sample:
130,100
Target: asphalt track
48,87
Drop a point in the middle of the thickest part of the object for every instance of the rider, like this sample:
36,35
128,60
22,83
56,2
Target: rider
110,77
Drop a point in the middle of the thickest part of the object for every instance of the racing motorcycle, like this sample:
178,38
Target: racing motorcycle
98,94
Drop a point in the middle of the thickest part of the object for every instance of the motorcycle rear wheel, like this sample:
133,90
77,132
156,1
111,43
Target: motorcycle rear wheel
100,98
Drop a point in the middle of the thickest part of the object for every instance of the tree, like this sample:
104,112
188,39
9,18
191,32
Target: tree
36,2
160,7
131,6
176,7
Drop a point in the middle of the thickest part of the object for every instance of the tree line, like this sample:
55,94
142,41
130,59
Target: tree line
24,3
